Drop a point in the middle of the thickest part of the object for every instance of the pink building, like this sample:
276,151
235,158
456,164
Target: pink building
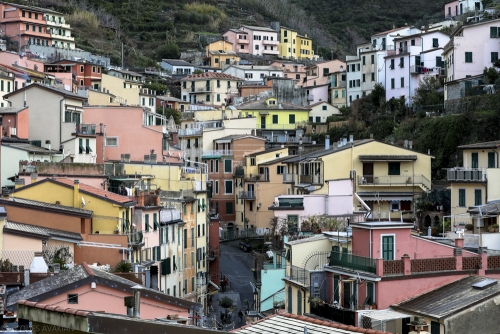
318,74
451,9
291,70
15,122
96,290
127,130
253,40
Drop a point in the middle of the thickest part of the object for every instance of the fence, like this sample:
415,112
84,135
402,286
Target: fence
394,267
353,262
494,262
343,316
430,265
471,263
298,274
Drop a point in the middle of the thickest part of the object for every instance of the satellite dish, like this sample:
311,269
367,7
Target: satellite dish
83,202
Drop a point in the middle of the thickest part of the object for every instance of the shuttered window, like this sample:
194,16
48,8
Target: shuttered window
461,197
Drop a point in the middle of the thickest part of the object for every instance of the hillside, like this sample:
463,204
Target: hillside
152,29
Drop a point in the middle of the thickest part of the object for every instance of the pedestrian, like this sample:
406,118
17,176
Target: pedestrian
225,283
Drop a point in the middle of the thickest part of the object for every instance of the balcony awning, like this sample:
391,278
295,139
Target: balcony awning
302,185
373,158
385,196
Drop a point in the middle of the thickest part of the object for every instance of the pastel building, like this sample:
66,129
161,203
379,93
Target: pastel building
253,40
220,54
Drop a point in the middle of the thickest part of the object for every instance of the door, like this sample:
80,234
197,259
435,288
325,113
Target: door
388,247
154,277
405,329
347,294
262,122
368,172
250,188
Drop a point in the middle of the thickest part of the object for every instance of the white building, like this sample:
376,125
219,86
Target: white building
353,66
177,66
253,74
320,112
411,58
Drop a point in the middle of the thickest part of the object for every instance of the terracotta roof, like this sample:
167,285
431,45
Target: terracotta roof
210,75
53,308
284,323
95,191
48,88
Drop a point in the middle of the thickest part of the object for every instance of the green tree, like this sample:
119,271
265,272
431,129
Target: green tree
160,89
168,51
491,75
167,112
428,92
198,72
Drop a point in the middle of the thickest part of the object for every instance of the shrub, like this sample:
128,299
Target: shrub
123,267
469,227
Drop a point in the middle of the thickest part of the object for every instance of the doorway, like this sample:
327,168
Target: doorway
368,172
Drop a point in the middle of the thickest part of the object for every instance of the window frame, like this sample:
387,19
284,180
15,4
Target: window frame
225,187
462,197
108,145
71,298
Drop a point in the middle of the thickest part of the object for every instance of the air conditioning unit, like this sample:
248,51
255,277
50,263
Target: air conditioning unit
146,158
126,157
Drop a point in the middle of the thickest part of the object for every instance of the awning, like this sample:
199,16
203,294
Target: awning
386,315
370,158
387,199
214,285
264,112
302,185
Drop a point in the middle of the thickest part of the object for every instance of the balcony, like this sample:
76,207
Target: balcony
85,129
62,37
190,132
217,153
247,195
393,180
35,33
467,174
57,24
239,172
312,179
135,239
310,97
288,178
422,70
270,52
269,42
242,41
199,90
353,262
297,274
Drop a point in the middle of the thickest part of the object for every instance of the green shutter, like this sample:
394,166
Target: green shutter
491,160
475,160
156,225
493,32
158,253
394,168
199,206
461,197
477,197
161,235
291,118
388,247
228,166
203,206
146,218
229,208
185,238
166,267
184,208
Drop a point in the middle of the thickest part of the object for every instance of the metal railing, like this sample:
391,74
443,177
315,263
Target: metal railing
246,195
353,262
394,180
466,174
313,179
218,152
85,129
135,238
190,132
288,178
297,274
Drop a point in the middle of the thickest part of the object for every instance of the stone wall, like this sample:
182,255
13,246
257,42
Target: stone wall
53,53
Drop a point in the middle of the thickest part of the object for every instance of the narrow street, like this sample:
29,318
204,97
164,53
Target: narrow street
236,265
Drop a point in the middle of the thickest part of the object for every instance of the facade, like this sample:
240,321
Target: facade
7,79
253,74
147,99
220,54
239,40
209,88
292,70
318,74
372,67
253,40
87,75
470,49
124,92
15,122
60,31
171,102
229,153
388,178
317,94
177,66
337,89
471,184
320,112
113,209
422,54
294,46
354,75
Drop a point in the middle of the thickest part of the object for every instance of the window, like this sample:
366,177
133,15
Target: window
477,197
216,187
394,168
252,162
364,60
402,62
392,64
228,166
88,150
388,247
275,119
324,108
372,58
291,119
475,160
256,46
216,166
491,160
216,60
364,77
208,98
370,293
228,187
229,208
439,62
461,197
468,57
435,43
111,141
218,97
359,67
494,57
402,82
494,32
373,76
325,72
185,244
392,83
72,299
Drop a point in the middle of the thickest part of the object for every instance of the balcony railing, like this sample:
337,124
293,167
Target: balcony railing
242,41
190,132
288,178
313,179
394,180
297,274
85,129
422,70
135,239
269,42
467,174
246,195
353,262
218,152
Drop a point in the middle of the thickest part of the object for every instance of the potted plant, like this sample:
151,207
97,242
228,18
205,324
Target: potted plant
158,191
305,226
469,227
315,301
493,228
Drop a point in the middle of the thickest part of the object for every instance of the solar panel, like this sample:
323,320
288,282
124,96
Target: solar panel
484,284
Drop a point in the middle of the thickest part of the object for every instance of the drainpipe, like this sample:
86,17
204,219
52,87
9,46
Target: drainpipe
61,119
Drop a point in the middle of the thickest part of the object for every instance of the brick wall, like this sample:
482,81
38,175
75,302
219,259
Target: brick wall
393,267
494,262
472,263
430,265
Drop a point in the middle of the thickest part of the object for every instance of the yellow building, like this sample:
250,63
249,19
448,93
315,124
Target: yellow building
272,114
475,183
294,46
211,88
220,54
337,89
258,182
387,178
112,212
125,91
99,98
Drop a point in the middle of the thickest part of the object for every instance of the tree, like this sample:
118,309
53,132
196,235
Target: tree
226,303
160,89
491,75
167,112
168,51
61,255
428,92
198,72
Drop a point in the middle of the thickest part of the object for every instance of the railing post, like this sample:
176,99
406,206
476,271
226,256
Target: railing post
406,264
379,267
484,261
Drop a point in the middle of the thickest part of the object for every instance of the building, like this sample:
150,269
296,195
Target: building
257,183
220,54
277,121
294,46
470,49
239,40
317,94
451,306
123,91
320,111
388,178
60,31
171,102
292,70
7,79
318,74
87,75
337,89
112,211
420,52
209,88
92,288
55,118
253,74
229,153
471,184
177,67
353,65
15,122
372,66
253,40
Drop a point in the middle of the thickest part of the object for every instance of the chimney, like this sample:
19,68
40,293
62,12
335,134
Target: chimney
38,264
136,309
351,138
47,144
76,194
327,142
19,183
